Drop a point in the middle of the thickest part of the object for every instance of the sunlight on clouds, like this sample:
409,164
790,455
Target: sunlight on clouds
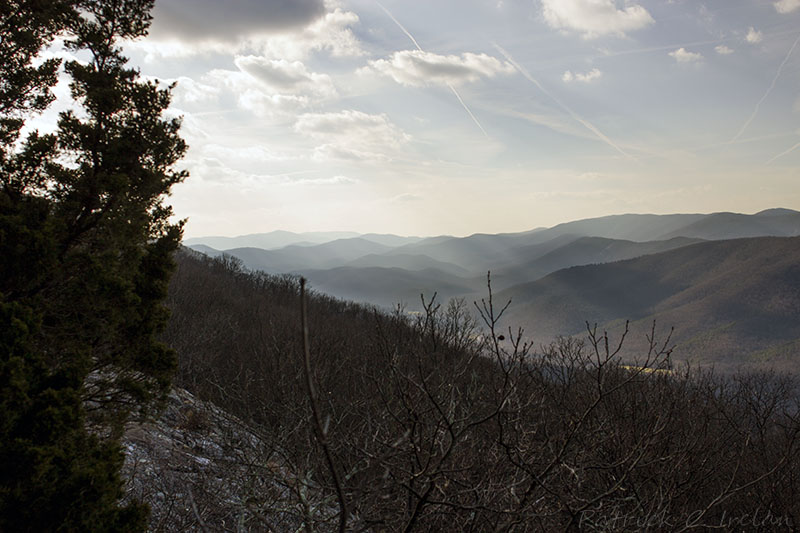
681,55
331,33
787,6
587,77
418,69
285,76
352,135
594,18
249,158
315,104
272,87
188,91
754,36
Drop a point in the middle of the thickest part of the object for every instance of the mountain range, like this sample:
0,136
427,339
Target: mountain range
725,281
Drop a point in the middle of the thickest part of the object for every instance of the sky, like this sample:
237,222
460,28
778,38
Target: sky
428,117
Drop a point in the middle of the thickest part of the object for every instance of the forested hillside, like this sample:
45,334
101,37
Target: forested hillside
731,302
433,423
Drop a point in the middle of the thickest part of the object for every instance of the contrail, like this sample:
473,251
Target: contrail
400,26
585,123
785,152
772,86
455,92
467,109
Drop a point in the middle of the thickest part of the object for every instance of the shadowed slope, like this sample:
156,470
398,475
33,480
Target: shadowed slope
735,300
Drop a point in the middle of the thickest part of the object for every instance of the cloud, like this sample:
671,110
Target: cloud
417,68
351,135
787,6
329,31
286,76
245,157
594,18
333,180
189,91
587,77
681,55
269,87
754,36
723,50
229,21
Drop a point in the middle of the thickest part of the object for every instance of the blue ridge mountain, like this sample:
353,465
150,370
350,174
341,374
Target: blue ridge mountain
732,301
271,240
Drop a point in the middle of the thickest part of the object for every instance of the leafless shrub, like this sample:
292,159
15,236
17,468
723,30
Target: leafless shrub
435,422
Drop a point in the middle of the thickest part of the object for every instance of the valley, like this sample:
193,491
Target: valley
726,282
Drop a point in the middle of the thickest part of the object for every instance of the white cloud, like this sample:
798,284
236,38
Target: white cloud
754,36
270,87
594,18
288,77
681,55
417,68
267,105
723,50
787,6
351,135
587,77
189,91
331,33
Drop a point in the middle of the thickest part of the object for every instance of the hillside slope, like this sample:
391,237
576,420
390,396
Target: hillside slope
305,257
729,301
584,251
388,286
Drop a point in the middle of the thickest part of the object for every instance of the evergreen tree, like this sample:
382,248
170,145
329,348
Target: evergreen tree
85,257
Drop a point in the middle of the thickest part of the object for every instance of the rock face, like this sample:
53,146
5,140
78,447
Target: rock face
201,469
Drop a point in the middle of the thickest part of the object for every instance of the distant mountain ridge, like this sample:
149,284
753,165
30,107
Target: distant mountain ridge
588,250
731,301
514,257
729,283
269,241
295,257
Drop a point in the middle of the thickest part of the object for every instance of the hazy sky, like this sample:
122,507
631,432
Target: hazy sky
458,116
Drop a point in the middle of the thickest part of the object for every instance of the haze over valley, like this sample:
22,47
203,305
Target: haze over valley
729,283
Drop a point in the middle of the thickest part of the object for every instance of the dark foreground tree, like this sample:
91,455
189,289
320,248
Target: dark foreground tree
85,257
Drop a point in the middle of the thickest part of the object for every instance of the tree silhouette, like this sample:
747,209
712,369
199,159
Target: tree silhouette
86,246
